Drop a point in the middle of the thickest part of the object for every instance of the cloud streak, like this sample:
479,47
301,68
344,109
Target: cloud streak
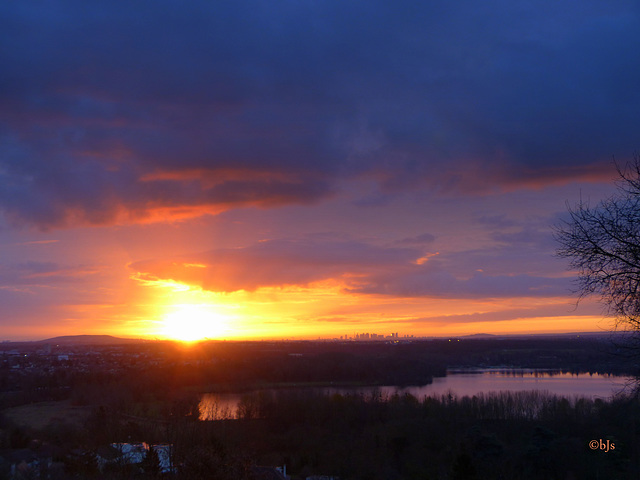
360,268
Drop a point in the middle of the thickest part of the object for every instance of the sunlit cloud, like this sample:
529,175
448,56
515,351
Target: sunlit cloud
39,242
359,267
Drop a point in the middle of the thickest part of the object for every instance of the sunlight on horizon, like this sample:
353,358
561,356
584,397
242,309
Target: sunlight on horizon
194,322
188,313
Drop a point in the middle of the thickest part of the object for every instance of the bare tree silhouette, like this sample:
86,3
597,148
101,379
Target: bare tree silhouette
602,243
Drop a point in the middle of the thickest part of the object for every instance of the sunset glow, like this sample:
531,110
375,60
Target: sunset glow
193,322
252,180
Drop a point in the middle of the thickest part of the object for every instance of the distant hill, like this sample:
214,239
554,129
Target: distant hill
480,335
89,340
604,334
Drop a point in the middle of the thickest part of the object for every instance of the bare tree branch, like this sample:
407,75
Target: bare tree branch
603,244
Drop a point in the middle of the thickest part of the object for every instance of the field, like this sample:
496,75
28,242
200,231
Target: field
38,415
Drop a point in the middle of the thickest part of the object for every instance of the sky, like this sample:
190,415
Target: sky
305,168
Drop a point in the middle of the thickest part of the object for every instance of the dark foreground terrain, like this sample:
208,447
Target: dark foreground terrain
70,410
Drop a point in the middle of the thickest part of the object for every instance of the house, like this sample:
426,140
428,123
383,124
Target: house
27,463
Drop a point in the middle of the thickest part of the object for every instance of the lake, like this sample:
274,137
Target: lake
459,383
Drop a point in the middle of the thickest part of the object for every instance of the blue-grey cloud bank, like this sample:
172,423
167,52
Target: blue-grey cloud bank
113,111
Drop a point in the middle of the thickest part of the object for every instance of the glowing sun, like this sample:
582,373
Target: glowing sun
193,322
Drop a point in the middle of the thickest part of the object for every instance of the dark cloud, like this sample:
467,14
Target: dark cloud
466,97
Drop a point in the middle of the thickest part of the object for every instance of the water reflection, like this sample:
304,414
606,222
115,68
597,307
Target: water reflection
457,383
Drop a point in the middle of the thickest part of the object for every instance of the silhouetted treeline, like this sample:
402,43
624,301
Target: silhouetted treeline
525,436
